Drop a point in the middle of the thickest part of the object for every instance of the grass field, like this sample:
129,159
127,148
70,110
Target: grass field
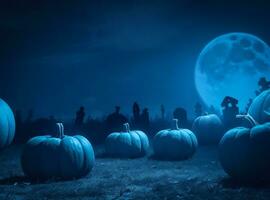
198,178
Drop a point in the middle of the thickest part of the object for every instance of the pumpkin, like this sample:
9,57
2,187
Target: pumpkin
175,143
63,157
208,129
246,121
127,144
7,124
244,153
259,110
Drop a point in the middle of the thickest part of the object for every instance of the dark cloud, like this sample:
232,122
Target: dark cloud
56,55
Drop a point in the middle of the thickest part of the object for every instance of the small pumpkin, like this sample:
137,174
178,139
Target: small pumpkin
244,153
175,143
259,110
127,144
64,157
208,129
7,124
246,121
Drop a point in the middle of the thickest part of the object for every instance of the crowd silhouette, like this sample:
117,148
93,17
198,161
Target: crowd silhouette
97,129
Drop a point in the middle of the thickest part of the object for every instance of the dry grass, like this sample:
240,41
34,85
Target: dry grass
145,178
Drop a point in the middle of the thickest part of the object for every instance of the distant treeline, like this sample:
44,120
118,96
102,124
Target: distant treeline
97,129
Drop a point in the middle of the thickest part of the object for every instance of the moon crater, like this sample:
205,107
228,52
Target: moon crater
231,64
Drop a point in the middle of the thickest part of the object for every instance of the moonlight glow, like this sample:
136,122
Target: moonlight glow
231,65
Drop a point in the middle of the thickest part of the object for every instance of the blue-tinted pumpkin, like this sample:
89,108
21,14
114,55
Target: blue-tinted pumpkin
64,157
259,110
7,124
208,129
245,153
127,144
175,143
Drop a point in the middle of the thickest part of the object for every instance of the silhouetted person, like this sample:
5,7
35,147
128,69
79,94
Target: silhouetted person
145,119
136,114
162,110
198,109
230,110
181,115
79,117
263,84
115,121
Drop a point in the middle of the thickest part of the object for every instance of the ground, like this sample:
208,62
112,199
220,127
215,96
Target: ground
198,178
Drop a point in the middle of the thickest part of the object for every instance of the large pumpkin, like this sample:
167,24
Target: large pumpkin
259,110
208,129
245,153
7,124
63,156
175,143
127,144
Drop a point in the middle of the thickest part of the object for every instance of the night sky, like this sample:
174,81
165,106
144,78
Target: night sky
56,57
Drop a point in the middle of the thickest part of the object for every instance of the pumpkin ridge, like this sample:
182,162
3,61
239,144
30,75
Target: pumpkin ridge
28,154
234,156
127,143
136,141
264,102
255,109
8,127
2,142
5,123
192,139
189,138
262,106
71,156
117,139
208,129
45,144
88,152
131,142
174,144
243,152
5,143
10,118
122,153
84,166
46,157
141,145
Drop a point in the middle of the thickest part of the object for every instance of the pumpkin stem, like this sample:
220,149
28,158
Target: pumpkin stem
126,127
60,130
62,125
248,117
175,124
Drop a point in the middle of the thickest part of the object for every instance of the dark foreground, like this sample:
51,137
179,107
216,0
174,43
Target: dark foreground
145,178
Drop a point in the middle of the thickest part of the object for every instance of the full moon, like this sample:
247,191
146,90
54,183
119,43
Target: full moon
231,65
